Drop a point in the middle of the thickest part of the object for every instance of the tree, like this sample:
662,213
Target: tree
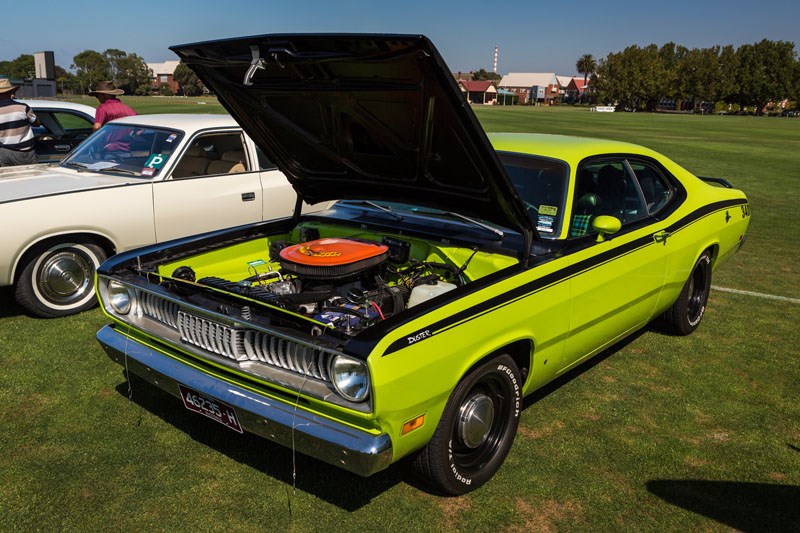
586,65
483,75
728,66
134,75
189,83
698,72
21,67
633,77
114,56
90,68
65,80
765,73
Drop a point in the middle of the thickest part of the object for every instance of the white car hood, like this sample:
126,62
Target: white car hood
31,181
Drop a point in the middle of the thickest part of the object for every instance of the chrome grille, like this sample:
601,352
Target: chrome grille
252,345
159,309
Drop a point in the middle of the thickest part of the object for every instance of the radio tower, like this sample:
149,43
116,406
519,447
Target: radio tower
494,68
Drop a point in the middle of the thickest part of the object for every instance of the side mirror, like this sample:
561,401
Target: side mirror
605,225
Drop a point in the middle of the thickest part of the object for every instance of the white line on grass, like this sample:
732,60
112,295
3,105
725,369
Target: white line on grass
758,294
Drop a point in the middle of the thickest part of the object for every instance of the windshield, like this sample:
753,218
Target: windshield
542,186
136,150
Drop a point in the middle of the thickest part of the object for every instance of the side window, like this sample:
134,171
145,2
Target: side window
264,162
221,153
656,190
73,123
605,188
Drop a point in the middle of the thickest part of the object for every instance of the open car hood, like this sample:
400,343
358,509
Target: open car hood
375,117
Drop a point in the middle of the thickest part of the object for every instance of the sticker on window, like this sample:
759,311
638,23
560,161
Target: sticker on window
172,137
148,171
544,224
548,210
156,161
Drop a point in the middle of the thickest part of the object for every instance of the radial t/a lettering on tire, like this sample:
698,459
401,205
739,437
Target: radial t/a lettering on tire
686,313
57,279
476,430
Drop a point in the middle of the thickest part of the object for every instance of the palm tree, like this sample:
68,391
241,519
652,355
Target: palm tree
586,65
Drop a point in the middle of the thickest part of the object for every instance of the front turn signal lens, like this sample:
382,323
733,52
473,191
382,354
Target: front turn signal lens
411,425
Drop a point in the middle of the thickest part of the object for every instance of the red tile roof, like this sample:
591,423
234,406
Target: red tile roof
475,86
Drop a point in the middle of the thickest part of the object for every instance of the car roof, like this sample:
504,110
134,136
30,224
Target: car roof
567,148
187,122
58,104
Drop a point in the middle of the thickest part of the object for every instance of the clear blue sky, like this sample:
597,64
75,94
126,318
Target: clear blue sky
532,36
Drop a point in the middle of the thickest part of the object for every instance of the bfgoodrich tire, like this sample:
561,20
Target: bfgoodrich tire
57,279
476,430
686,313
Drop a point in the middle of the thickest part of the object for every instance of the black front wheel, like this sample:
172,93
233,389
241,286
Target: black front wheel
476,430
686,313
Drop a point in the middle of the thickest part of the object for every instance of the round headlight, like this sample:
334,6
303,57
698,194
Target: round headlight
119,298
350,377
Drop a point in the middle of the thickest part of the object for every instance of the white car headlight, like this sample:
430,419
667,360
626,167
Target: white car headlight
119,298
350,377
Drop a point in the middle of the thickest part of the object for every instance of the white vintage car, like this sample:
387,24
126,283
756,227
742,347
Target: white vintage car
63,126
137,181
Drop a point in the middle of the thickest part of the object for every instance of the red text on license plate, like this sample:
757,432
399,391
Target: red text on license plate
213,409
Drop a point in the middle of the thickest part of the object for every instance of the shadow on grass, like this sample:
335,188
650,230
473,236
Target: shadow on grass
749,507
579,370
8,304
334,485
329,483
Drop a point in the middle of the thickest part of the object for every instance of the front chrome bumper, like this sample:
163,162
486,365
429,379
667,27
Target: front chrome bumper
275,420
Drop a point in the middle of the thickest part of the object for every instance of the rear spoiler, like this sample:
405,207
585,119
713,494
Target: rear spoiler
719,181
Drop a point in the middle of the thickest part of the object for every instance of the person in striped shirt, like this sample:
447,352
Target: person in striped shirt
16,134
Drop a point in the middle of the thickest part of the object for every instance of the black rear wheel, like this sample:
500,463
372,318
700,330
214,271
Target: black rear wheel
476,430
686,313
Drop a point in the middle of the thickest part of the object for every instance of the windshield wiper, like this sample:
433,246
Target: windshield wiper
82,167
478,223
383,208
121,171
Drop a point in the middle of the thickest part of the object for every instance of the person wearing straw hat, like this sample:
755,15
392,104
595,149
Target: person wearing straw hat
110,107
16,134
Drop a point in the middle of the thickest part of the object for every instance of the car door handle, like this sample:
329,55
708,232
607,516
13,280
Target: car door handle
62,147
662,236
248,196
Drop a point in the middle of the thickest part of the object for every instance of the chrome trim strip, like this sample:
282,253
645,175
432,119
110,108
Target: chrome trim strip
275,420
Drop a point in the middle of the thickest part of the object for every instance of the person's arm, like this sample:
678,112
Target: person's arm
99,118
32,118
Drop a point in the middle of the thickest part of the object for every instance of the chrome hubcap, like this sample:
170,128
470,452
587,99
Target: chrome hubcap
475,420
65,276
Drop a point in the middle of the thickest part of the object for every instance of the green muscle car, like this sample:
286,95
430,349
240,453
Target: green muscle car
456,273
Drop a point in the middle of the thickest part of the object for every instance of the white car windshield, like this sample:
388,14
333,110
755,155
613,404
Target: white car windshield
128,149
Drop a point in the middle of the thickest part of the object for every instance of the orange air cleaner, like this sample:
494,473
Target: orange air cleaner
332,258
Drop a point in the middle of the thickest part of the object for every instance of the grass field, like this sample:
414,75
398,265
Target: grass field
660,433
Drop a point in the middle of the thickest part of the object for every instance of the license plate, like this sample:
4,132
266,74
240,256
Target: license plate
213,409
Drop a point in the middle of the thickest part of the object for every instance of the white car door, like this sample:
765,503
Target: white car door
279,196
212,186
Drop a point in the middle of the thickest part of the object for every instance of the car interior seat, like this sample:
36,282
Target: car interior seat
231,162
193,163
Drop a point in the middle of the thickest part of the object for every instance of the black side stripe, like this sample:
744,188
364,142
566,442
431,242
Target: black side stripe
559,276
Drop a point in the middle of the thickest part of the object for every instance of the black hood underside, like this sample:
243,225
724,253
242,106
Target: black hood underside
375,117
